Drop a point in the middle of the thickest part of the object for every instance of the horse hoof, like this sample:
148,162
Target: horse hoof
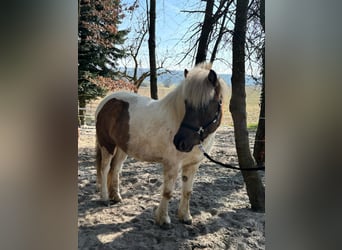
115,201
116,198
106,203
185,218
162,220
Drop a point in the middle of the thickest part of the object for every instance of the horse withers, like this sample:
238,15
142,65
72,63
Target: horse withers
164,131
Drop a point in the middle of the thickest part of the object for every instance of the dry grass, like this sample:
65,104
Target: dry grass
252,103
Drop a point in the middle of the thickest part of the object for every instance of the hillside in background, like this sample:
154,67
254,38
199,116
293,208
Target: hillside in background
174,77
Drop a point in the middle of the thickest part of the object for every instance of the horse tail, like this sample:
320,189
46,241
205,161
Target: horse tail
98,158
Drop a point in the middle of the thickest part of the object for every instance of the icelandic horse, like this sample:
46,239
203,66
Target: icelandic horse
164,131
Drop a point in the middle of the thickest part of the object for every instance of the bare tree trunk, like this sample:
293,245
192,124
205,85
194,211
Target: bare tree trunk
254,186
259,145
206,29
262,14
152,50
219,38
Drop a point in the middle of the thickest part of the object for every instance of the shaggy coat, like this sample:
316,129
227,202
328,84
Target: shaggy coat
130,124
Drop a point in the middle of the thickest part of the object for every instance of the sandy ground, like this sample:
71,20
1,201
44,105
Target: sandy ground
222,218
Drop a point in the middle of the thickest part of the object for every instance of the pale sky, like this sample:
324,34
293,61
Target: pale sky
171,26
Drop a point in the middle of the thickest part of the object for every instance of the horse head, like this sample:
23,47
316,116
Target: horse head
203,108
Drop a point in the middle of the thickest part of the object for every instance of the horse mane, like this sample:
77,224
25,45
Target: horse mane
197,89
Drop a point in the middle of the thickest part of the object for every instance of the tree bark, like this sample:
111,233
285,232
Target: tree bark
237,107
152,50
206,29
259,145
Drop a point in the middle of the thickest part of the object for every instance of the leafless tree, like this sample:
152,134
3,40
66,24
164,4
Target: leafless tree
205,31
255,188
259,145
206,36
136,44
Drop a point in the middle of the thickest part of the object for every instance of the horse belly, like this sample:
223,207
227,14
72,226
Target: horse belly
151,148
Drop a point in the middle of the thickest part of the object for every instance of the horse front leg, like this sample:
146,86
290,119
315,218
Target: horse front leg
188,174
170,176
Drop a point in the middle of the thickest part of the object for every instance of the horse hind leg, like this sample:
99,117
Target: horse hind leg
103,170
114,175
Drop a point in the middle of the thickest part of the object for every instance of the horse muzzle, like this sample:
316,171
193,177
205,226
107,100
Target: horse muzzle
182,144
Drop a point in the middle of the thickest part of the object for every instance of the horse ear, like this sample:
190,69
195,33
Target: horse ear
212,77
185,73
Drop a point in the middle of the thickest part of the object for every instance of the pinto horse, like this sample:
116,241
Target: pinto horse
164,131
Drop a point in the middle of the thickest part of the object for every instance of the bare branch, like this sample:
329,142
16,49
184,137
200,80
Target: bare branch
193,11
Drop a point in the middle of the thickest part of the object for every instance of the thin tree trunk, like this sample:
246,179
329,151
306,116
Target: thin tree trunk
206,29
262,14
254,186
259,145
152,50
219,38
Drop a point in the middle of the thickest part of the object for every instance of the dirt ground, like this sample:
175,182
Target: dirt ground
222,218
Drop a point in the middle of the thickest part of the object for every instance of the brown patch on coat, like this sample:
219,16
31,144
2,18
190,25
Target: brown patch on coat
167,195
112,125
